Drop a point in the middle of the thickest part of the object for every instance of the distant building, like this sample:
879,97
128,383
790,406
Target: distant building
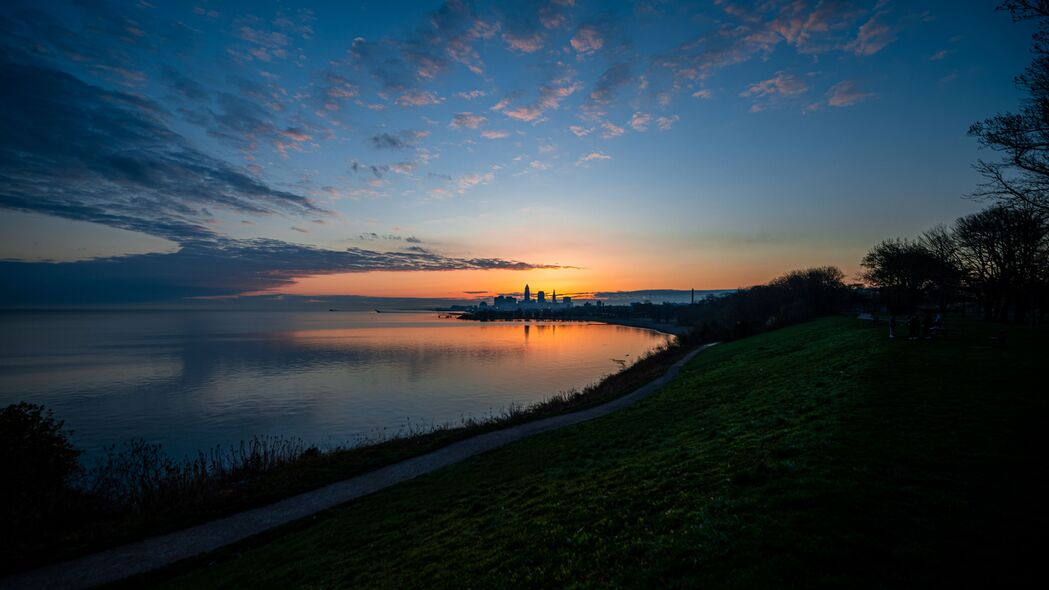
553,299
502,302
566,301
527,295
540,298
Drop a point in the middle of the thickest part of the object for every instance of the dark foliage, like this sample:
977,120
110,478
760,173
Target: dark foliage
37,462
997,258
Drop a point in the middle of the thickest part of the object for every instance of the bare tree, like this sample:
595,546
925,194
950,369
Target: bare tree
1005,251
946,270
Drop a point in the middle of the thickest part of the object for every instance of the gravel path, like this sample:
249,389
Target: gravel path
156,552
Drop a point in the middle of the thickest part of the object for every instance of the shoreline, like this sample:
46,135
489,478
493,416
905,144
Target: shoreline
153,553
669,329
310,472
647,324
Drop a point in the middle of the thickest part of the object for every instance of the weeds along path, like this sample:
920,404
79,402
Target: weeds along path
160,551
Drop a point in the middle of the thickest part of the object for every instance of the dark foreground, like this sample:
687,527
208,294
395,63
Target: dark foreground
822,454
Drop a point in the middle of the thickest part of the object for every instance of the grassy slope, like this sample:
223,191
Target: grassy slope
819,454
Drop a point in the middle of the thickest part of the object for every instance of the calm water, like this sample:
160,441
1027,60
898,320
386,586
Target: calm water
192,380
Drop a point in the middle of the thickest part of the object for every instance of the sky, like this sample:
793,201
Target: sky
165,151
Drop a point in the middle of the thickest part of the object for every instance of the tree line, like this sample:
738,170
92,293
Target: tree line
997,259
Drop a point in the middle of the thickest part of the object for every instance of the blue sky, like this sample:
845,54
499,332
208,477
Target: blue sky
163,150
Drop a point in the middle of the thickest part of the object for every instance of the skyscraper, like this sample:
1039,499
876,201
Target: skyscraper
527,294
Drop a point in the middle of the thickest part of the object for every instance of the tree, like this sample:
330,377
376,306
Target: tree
946,268
37,462
1006,253
903,270
1022,138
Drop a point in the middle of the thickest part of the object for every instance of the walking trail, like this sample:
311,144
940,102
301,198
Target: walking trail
156,552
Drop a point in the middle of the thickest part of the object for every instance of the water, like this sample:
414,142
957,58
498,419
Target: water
194,379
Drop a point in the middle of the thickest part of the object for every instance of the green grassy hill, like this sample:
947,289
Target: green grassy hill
823,454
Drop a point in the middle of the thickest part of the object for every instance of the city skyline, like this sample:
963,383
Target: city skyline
434,149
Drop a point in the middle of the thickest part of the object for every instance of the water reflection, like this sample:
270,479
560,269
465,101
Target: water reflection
195,379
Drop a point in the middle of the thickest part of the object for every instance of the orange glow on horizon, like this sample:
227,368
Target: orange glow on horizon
729,272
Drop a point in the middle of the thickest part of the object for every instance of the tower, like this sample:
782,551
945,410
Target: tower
553,298
527,294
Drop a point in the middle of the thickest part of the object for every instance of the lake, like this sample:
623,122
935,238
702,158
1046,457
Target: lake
191,380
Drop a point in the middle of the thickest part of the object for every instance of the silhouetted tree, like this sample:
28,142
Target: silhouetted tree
1005,251
946,272
1022,137
903,270
37,462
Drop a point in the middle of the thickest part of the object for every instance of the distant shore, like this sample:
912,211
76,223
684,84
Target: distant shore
672,329
665,328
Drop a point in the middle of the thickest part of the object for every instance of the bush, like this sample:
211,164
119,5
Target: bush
37,463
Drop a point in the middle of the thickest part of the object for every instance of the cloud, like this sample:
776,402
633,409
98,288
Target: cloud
941,54
524,113
467,120
418,98
388,141
587,39
640,121
611,130
74,150
446,35
471,95
495,134
333,89
665,123
845,93
373,236
469,181
873,36
580,131
220,268
704,94
524,44
782,84
182,85
551,95
592,156
611,80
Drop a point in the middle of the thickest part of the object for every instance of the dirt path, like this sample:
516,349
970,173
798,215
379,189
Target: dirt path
156,552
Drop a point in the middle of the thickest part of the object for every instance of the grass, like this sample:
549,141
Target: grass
819,455
155,494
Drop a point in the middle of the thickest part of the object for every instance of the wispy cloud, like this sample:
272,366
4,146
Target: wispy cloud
587,39
665,123
592,156
467,120
845,93
873,36
419,98
525,44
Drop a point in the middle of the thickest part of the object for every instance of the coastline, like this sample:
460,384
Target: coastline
671,329
313,470
647,324
152,553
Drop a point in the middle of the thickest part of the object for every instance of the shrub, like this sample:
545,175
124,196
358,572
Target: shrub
37,461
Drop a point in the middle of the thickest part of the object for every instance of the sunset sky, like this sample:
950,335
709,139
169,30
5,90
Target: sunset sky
157,151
